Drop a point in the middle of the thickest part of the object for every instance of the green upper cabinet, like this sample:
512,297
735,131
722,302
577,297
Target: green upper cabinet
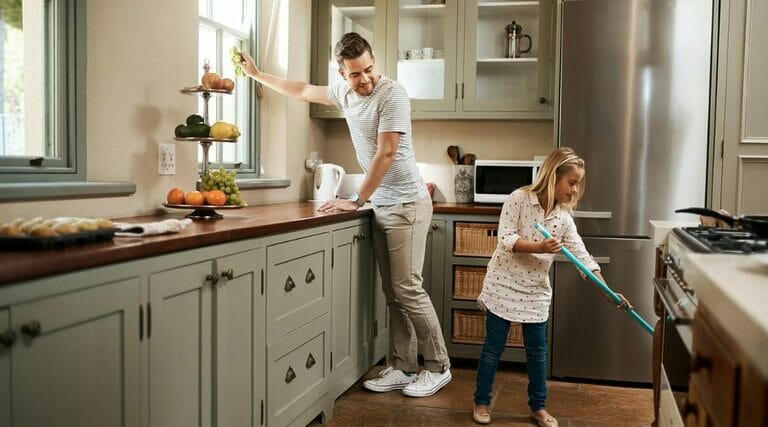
332,19
452,56
507,63
421,52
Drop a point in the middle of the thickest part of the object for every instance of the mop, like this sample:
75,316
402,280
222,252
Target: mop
603,287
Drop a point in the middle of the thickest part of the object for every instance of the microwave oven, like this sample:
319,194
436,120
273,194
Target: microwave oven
496,179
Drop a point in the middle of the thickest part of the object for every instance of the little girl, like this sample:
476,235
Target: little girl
516,285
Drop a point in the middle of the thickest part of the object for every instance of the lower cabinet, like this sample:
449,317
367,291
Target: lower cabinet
249,333
60,354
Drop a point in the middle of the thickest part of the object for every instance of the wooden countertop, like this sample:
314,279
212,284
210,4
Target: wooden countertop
253,221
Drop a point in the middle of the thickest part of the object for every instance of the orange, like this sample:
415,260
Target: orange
194,198
216,197
175,196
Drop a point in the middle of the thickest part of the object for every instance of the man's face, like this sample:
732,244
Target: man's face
360,73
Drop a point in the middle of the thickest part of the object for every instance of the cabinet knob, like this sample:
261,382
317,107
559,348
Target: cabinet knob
229,274
688,408
310,361
7,338
31,329
542,100
289,284
212,278
290,375
310,277
700,362
435,226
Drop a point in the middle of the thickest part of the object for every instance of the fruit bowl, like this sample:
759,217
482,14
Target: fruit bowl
203,211
201,89
204,139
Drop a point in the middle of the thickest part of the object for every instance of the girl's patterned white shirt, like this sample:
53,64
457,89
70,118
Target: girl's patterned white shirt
516,285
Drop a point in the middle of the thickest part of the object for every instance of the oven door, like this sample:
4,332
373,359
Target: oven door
677,340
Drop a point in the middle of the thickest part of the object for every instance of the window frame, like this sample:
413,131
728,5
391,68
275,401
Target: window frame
251,105
65,118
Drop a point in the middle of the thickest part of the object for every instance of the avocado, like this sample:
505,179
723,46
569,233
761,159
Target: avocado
182,131
199,130
194,118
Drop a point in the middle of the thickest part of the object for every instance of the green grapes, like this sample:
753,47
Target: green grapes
236,58
223,180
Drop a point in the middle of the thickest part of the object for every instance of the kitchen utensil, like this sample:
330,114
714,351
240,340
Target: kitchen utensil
427,53
453,153
328,178
469,159
603,287
757,224
514,34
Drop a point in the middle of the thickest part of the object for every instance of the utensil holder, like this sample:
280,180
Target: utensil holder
464,183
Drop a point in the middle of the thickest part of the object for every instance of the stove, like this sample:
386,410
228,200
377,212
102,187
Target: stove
722,240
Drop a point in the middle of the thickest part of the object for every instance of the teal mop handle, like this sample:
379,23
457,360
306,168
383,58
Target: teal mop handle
606,290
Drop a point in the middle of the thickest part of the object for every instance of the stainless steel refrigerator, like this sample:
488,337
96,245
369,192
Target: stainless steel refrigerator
635,91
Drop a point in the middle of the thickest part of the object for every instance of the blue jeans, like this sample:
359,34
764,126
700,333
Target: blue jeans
535,340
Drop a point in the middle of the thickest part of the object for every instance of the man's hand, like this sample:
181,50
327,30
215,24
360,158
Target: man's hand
550,246
338,205
248,65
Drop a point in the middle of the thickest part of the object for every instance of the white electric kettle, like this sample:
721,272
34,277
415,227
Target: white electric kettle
327,182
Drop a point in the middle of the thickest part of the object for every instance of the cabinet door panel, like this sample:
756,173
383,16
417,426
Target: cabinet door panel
5,372
240,339
180,347
86,351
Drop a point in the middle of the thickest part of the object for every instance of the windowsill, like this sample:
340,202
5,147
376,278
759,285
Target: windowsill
254,183
17,191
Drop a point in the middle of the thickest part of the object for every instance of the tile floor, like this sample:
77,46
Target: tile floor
573,404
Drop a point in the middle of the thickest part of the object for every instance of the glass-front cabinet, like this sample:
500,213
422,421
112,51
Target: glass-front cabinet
473,59
334,18
421,51
507,56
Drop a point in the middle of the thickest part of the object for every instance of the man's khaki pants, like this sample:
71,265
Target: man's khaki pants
399,240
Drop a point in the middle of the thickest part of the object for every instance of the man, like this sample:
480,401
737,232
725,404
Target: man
378,114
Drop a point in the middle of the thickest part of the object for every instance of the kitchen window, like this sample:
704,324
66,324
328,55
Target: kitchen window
42,91
224,25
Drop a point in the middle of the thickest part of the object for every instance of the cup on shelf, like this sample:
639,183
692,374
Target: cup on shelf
401,55
427,53
413,54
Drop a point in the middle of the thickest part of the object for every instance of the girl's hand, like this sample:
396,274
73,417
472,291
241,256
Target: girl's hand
550,246
624,304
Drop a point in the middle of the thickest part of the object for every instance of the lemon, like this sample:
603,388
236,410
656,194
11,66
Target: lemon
221,130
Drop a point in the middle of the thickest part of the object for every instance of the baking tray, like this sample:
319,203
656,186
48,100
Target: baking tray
25,242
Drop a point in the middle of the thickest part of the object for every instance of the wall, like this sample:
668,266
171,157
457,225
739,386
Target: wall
506,140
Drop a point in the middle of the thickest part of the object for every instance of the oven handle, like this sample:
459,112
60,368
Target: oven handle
598,259
593,214
678,315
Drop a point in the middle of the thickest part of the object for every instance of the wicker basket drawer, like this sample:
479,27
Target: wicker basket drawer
475,238
469,328
467,282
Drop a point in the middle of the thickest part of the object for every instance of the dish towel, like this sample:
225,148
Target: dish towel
149,228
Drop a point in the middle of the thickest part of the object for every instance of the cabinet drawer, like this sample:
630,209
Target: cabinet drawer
297,371
296,283
475,238
715,372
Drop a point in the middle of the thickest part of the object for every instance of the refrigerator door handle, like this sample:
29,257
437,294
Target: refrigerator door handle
598,259
593,214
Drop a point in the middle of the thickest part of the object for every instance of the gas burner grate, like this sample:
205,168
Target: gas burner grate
727,240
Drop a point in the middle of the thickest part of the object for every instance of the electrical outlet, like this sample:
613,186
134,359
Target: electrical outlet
167,164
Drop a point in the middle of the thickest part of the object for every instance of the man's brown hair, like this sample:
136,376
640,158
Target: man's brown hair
351,46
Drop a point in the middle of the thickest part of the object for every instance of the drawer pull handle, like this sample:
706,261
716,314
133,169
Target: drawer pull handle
290,375
289,284
229,274
310,276
8,337
700,362
31,329
310,361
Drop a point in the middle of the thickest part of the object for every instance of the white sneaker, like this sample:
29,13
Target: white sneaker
427,383
388,380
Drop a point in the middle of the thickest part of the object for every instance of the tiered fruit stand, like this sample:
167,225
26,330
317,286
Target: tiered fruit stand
204,211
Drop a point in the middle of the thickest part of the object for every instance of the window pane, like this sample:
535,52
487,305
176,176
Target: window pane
202,6
229,13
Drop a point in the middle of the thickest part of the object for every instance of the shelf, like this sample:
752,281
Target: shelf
357,12
505,60
423,10
199,90
198,139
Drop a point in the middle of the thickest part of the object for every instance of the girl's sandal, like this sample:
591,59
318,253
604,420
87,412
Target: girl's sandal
547,421
481,415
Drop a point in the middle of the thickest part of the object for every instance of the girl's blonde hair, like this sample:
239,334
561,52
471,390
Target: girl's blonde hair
558,163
